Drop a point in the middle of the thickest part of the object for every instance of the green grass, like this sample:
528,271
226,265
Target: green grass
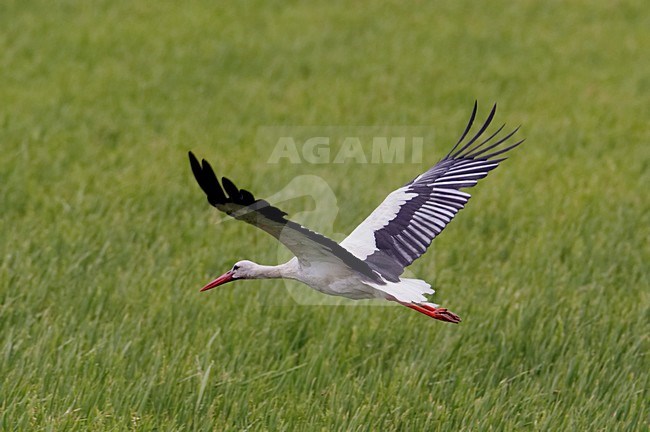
105,238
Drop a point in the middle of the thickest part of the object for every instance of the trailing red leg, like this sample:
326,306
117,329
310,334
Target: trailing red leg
438,313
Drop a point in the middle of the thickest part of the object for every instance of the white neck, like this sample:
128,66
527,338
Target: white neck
286,270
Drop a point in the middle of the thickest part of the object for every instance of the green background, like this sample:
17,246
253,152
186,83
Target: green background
105,238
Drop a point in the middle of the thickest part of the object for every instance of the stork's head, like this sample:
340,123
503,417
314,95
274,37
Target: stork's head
241,270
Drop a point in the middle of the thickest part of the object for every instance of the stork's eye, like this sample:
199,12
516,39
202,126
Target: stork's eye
235,267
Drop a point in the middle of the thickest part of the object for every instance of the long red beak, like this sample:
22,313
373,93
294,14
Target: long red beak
223,279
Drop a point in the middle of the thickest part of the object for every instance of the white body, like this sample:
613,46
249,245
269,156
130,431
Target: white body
337,280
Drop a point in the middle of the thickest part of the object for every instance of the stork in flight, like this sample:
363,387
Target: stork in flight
369,262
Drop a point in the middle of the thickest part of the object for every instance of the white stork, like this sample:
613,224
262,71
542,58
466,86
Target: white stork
369,262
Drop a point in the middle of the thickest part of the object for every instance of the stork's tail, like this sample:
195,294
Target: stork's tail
406,290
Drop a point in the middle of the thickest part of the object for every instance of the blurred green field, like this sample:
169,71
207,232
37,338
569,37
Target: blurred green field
105,238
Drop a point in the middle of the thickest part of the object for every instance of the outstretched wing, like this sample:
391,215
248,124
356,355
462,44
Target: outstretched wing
306,245
403,226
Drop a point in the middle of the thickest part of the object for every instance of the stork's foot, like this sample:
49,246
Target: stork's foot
438,313
444,314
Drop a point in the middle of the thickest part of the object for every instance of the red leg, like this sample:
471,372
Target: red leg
441,314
